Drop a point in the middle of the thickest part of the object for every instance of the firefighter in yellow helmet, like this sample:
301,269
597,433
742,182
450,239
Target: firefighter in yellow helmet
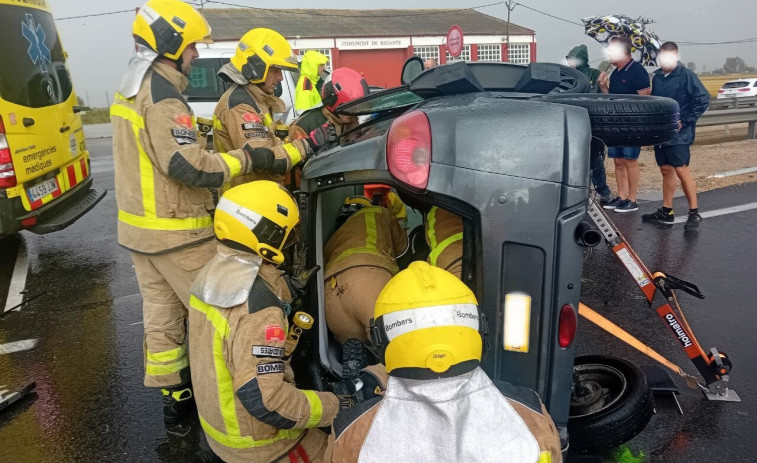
439,404
249,406
245,112
444,236
163,181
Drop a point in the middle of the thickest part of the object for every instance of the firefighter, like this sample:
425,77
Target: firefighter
439,405
340,87
163,178
444,236
360,259
308,91
245,112
249,406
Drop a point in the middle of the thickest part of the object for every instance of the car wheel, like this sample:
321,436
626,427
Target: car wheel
610,404
626,120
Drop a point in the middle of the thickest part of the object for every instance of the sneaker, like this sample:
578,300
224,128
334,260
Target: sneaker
605,200
692,223
612,204
659,216
627,206
177,403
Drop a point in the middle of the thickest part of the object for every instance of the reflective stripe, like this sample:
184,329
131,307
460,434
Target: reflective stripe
226,396
316,408
294,154
168,355
217,124
370,237
154,223
432,227
437,251
545,457
235,167
124,112
167,369
409,320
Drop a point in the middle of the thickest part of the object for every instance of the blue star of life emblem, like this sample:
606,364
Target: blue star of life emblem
37,51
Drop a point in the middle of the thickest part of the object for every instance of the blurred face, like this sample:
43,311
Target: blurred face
275,75
616,53
321,68
573,62
189,54
668,60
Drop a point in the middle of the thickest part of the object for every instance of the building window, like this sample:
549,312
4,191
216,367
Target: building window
490,52
425,53
325,51
464,56
519,53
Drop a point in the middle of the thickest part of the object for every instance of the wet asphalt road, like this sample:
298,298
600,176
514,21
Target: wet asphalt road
90,404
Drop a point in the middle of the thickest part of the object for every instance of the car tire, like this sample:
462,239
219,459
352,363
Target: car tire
616,405
626,120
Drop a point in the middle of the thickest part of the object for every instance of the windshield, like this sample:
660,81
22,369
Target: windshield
381,101
204,83
33,73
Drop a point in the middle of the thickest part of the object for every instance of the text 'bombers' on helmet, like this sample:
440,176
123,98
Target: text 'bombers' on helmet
259,50
258,217
169,26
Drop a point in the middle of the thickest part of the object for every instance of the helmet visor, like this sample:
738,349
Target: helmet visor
268,232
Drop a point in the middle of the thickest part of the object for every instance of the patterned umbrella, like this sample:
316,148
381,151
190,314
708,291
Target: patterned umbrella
645,42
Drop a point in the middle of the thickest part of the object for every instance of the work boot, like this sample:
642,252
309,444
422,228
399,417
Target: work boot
353,359
177,402
692,223
659,216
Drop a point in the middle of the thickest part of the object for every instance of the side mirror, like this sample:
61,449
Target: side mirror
413,68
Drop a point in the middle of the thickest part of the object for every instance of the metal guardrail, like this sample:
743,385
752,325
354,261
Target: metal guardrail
731,116
733,103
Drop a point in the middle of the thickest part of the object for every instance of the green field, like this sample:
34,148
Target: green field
96,116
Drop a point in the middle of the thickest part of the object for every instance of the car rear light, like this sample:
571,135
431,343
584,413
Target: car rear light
408,149
31,221
517,329
721,91
744,89
566,330
7,174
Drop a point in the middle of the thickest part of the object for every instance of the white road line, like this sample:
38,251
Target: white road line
17,346
724,211
18,279
731,173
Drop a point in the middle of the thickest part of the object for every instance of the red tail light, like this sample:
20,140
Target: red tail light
7,174
721,91
566,330
744,89
408,149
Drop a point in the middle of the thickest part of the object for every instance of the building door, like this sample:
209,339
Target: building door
381,68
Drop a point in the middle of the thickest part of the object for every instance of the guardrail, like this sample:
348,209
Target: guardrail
731,116
733,103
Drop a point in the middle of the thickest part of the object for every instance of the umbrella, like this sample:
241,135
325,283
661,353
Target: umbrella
645,42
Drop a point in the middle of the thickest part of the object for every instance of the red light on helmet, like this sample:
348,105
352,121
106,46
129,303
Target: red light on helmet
408,149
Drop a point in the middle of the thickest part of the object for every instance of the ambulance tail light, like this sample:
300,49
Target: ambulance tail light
566,330
408,149
7,174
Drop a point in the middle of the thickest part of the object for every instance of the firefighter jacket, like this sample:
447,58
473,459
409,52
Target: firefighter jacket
444,236
249,406
462,418
245,114
307,95
163,175
314,118
370,237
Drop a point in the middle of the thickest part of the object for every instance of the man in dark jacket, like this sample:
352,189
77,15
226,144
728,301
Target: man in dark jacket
578,58
674,81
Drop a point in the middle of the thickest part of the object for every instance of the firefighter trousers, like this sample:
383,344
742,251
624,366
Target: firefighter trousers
164,281
350,299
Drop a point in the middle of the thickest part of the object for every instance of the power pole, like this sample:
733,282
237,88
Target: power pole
107,99
510,7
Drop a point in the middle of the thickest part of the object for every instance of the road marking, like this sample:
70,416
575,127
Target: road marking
18,280
724,211
17,346
138,323
731,173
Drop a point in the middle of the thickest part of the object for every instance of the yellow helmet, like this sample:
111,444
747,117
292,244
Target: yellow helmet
258,217
258,50
427,324
168,26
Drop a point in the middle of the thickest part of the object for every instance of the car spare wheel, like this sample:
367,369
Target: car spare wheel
610,404
626,120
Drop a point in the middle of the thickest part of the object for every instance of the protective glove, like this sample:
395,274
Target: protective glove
321,135
357,390
263,160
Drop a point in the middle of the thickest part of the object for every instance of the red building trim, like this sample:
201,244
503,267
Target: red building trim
533,51
442,54
505,53
474,52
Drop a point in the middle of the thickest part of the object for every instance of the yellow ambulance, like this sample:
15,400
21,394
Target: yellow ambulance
45,177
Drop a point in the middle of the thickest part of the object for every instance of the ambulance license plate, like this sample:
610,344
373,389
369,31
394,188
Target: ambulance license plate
43,189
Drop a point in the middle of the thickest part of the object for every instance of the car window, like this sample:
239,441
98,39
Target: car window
204,83
381,101
737,84
33,72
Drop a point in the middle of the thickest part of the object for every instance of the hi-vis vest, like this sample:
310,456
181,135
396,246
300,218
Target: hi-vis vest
163,176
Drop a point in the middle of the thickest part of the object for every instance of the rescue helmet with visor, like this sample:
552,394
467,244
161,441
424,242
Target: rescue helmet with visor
259,50
168,27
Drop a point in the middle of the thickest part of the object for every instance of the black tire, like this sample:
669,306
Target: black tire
624,409
626,120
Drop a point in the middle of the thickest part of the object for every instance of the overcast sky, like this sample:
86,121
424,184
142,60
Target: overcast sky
99,47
